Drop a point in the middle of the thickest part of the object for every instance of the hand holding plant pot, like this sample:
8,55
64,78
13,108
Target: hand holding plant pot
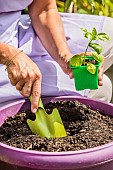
85,67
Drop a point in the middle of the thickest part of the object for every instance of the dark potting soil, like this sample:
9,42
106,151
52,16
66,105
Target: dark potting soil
85,128
90,61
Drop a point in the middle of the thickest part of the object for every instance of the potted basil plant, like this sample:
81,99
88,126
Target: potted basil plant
84,66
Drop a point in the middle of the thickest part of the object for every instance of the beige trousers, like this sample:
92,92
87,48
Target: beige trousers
104,92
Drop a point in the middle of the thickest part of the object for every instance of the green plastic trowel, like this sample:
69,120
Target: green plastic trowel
47,125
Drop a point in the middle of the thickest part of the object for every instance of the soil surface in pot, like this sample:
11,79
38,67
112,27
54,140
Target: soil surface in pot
85,128
90,61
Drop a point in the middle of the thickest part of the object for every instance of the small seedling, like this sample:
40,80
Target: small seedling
82,59
49,126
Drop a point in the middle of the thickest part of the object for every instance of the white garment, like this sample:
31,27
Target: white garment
104,92
54,81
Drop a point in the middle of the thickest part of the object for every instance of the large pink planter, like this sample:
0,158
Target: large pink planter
98,158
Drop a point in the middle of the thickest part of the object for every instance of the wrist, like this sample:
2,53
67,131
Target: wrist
8,63
7,52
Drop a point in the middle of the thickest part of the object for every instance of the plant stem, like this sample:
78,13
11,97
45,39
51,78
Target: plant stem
86,50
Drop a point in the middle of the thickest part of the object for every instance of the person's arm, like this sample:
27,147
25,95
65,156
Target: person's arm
23,73
48,26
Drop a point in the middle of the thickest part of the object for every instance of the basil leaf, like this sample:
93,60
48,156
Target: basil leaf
94,34
76,60
91,68
96,47
103,36
97,57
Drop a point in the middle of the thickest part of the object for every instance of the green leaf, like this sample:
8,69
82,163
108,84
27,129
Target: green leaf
84,30
94,34
103,2
92,4
103,36
97,57
87,34
83,11
91,68
67,4
94,31
47,125
76,60
96,47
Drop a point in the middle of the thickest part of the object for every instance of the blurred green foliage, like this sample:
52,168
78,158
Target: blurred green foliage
96,7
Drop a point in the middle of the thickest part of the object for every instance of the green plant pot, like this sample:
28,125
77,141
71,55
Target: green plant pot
83,78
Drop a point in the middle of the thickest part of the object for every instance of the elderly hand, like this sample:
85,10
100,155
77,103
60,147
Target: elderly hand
26,77
100,74
64,64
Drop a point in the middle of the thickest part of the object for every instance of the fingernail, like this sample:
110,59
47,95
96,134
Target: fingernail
34,110
71,75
